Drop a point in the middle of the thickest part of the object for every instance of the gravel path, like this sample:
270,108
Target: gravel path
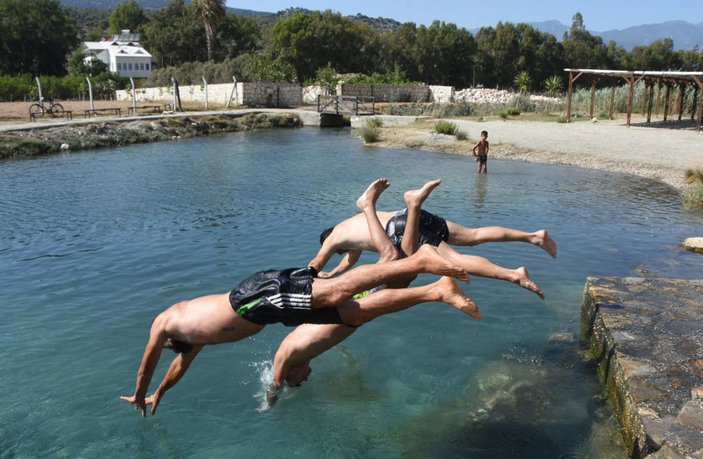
663,153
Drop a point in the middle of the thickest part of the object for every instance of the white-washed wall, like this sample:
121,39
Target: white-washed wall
442,94
310,93
246,93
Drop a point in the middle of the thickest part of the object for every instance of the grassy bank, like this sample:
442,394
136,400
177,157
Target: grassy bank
22,144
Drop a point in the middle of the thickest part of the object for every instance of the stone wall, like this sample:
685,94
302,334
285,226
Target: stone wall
387,92
246,93
645,337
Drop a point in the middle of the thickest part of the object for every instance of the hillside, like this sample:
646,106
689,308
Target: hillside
684,34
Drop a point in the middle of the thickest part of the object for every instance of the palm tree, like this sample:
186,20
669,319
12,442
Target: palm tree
212,12
522,81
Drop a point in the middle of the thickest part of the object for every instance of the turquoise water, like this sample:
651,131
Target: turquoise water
94,244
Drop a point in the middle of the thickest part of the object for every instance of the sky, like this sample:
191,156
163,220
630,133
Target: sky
598,15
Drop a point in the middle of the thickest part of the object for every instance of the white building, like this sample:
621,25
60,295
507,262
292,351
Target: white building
122,54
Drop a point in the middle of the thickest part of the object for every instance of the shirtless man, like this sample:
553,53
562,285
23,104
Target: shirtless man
352,236
291,297
307,341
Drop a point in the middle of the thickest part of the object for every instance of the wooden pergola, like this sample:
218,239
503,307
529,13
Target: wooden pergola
651,79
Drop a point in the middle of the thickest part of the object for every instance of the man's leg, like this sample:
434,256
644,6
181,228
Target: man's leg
461,235
367,204
337,291
480,266
414,200
444,290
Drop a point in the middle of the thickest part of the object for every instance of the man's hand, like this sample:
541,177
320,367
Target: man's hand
324,275
139,402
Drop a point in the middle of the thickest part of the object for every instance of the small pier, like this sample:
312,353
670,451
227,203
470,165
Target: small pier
646,336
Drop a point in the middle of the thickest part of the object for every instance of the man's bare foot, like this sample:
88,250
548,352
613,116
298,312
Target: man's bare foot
524,281
449,292
430,261
372,193
415,198
546,242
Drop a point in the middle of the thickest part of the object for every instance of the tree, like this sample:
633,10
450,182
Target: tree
311,41
236,35
445,54
522,81
77,65
128,15
583,50
174,35
658,55
212,12
37,36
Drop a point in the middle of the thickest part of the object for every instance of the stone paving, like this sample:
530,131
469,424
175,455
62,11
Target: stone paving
646,336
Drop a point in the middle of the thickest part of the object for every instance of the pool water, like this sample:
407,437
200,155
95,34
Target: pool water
94,244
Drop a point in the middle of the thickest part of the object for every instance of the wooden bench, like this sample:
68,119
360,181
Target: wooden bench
68,114
96,111
151,108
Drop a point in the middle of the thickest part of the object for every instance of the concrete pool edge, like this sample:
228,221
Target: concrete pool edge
646,337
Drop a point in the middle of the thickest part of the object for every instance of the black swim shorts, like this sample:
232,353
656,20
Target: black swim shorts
433,229
285,297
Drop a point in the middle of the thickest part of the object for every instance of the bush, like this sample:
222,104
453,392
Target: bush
445,127
370,134
461,135
374,122
693,196
562,119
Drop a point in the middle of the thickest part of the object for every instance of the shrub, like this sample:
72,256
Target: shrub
374,122
693,196
370,135
553,85
504,115
562,119
461,135
445,127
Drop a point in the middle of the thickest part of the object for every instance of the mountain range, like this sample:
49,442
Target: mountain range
685,35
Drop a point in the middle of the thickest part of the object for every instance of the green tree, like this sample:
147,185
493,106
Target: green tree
77,65
582,49
553,85
310,41
212,12
264,67
445,54
236,35
522,81
658,55
127,15
37,36
174,35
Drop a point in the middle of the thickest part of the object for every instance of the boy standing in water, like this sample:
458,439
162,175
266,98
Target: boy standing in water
482,154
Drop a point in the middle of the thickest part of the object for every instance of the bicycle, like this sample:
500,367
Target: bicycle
38,109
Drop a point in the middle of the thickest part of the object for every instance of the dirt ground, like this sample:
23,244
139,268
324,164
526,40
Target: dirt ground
20,110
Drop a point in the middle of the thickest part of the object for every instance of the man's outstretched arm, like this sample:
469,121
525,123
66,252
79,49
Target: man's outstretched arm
175,372
152,354
350,258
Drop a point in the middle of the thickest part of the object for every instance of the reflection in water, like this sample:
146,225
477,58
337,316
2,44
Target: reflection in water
480,189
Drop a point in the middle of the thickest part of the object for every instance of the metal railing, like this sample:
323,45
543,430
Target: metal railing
350,105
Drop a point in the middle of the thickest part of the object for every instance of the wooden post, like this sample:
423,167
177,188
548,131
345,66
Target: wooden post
568,99
650,103
667,94
682,96
612,102
659,97
645,97
631,82
593,97
694,102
